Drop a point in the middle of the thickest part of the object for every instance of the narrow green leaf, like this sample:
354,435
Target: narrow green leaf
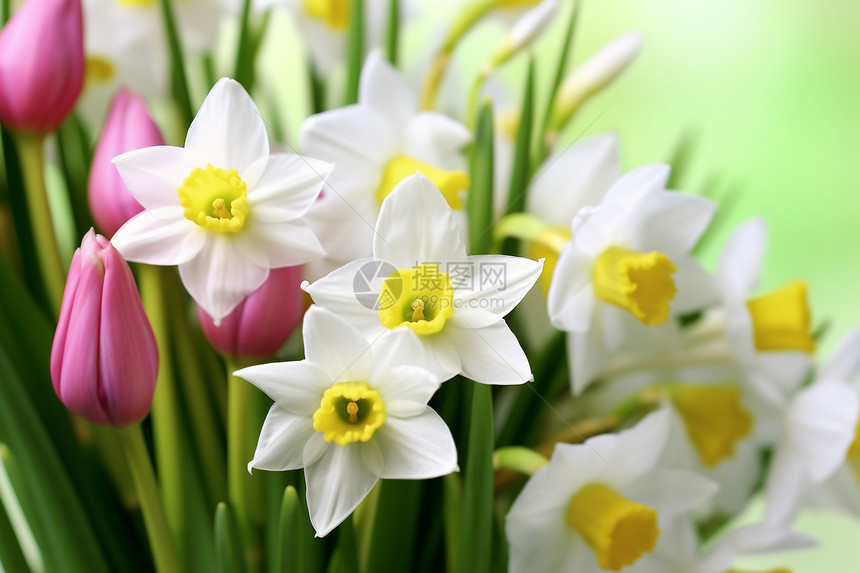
396,518
452,504
345,556
244,64
75,157
392,35
4,12
178,78
230,557
479,202
556,82
354,51
289,542
476,551
680,159
12,557
520,165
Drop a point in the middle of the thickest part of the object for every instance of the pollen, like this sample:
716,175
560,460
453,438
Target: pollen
451,183
640,283
618,530
349,412
714,419
215,199
781,319
425,301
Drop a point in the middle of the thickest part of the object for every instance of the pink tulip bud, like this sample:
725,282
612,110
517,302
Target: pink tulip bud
128,127
41,65
104,360
263,321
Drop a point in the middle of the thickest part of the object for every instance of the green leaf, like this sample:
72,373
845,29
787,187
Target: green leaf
178,78
476,534
288,559
520,165
244,69
396,518
479,201
354,51
230,557
452,504
392,31
345,556
73,145
12,558
5,8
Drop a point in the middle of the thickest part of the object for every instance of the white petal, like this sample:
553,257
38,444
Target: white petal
784,489
296,386
490,355
638,449
276,245
406,390
159,237
282,440
419,447
336,484
351,292
228,131
220,276
436,139
336,346
637,184
289,185
578,176
416,226
594,229
500,283
822,421
697,288
355,133
670,222
671,492
402,348
587,356
345,227
741,262
570,300
154,174
844,363
385,90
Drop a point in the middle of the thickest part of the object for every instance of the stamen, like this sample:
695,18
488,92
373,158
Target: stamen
418,310
219,209
352,410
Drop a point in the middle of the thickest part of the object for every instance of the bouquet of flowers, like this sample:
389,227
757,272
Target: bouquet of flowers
430,333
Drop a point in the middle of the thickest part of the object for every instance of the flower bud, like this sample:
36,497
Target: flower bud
524,31
41,65
104,360
262,322
128,127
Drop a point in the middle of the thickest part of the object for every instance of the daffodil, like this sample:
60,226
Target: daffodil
626,269
350,413
375,144
452,302
818,457
222,208
601,505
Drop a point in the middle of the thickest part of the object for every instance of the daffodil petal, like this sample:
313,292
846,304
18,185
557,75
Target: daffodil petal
352,134
384,89
844,363
159,237
153,174
405,389
336,484
638,449
228,129
288,186
741,262
501,282
421,447
436,139
490,355
336,292
637,184
570,300
669,222
284,244
296,386
673,491
336,346
282,441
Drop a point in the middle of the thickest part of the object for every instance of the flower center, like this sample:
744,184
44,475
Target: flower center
714,419
640,283
618,530
349,412
99,70
548,245
781,319
450,183
425,303
335,13
214,198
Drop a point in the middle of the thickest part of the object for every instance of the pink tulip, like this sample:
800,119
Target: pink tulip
104,360
41,65
262,322
128,127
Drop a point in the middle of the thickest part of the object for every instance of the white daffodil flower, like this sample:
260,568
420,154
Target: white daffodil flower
221,208
626,268
818,458
375,144
454,303
601,505
350,413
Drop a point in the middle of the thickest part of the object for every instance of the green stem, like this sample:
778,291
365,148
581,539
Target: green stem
166,422
244,61
154,518
29,147
179,80
518,458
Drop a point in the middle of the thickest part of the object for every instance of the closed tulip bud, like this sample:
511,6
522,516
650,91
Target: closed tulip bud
104,360
41,65
262,322
128,127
